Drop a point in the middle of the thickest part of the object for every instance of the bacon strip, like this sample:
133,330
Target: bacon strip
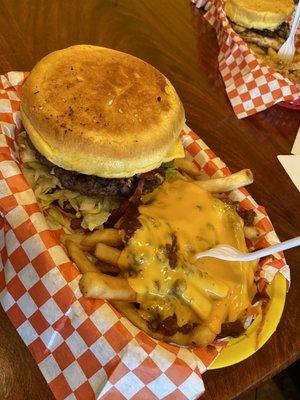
121,210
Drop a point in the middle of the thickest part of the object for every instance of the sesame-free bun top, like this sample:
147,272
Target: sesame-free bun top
259,14
101,112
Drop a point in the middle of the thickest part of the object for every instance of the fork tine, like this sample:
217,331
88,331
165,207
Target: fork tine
287,50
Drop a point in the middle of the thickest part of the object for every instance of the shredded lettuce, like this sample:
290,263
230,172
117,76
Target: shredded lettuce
94,211
26,153
171,172
56,216
36,166
93,221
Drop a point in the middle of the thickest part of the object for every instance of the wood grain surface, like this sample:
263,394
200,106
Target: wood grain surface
174,37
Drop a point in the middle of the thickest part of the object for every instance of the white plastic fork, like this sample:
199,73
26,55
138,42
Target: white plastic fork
229,253
287,50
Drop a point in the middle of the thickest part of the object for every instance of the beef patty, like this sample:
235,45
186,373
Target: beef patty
92,185
264,38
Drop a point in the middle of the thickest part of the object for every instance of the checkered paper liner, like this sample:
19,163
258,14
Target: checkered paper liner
251,85
84,348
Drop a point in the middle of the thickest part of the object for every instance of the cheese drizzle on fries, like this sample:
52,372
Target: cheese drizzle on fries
153,281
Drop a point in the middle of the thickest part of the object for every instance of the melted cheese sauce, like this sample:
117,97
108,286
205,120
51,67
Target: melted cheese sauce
211,291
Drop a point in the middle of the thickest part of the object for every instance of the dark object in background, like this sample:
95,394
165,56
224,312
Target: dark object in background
288,382
284,386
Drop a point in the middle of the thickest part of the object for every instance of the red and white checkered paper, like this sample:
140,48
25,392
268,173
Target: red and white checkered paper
84,348
251,85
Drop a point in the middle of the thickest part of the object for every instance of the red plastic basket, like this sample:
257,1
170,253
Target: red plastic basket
292,105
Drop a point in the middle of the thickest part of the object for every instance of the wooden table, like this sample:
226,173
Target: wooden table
174,37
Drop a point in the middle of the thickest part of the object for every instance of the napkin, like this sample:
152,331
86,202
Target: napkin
296,146
291,164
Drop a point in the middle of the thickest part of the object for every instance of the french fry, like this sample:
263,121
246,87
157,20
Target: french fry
257,50
108,268
107,254
187,177
187,166
79,258
202,177
295,66
218,315
214,288
99,286
211,287
252,232
197,301
296,58
231,182
273,54
202,336
183,177
103,262
74,237
111,237
123,262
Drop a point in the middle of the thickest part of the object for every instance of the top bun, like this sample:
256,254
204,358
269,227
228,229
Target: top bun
101,112
259,14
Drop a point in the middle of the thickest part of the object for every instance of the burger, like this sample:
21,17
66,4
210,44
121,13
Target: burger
264,26
102,127
261,22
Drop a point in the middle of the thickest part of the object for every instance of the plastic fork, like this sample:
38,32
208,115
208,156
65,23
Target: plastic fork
199,3
229,253
287,50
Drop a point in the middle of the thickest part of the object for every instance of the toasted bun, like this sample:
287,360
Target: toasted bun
101,112
259,14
